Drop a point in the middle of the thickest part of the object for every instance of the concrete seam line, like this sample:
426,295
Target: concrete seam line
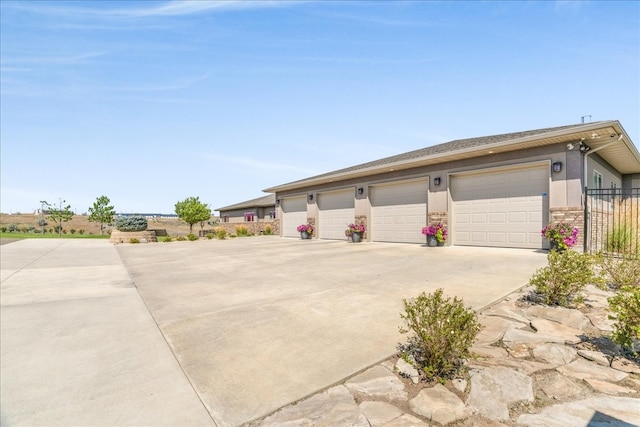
169,347
27,265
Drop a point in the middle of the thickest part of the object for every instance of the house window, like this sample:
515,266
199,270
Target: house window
272,214
249,216
597,180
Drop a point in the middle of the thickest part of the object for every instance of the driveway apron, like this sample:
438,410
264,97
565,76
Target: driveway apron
257,323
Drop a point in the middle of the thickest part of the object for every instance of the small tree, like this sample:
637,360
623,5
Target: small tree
59,214
191,211
102,212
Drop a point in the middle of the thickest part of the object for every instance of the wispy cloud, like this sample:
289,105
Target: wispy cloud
161,87
170,8
53,59
263,165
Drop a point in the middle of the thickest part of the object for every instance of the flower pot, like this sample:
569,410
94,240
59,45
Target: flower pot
432,241
304,235
555,247
440,243
356,237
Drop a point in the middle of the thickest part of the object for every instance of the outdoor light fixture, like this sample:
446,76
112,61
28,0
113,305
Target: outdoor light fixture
584,147
310,197
360,191
277,202
436,181
557,166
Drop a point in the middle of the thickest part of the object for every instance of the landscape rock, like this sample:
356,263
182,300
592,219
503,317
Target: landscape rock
494,389
549,327
517,350
558,387
378,382
407,370
335,406
583,369
625,365
608,388
594,356
406,420
530,337
493,329
379,413
595,411
566,316
555,354
491,352
460,384
507,310
439,404
600,320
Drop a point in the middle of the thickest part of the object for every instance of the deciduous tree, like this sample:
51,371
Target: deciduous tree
59,214
102,212
191,211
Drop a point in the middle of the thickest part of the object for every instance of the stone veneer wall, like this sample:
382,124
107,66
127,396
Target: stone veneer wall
253,227
438,218
574,216
126,236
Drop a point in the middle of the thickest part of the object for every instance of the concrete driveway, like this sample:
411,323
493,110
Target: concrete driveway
257,323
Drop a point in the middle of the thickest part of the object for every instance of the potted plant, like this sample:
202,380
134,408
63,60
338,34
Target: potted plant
305,230
355,232
436,234
562,236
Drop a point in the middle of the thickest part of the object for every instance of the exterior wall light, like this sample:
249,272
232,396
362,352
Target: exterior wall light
277,202
310,197
360,191
557,166
436,181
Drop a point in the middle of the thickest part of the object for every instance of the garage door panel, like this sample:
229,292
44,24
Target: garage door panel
294,213
336,211
505,208
399,211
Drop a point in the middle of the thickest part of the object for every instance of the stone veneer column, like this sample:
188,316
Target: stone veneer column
574,216
362,220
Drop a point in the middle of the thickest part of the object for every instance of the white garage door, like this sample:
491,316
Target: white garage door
294,211
399,211
501,208
336,211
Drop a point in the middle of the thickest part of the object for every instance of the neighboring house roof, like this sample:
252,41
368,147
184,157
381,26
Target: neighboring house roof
624,156
260,202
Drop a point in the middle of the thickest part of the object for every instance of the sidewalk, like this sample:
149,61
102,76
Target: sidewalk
79,346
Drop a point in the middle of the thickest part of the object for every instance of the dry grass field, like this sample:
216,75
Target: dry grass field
174,226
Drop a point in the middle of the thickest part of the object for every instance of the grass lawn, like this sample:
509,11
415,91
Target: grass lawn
16,235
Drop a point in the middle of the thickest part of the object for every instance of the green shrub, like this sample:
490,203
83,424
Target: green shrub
64,231
443,331
72,231
131,223
81,231
192,237
622,239
268,230
167,238
625,306
181,238
134,240
3,229
37,231
12,228
210,236
31,229
621,272
221,233
562,281
242,230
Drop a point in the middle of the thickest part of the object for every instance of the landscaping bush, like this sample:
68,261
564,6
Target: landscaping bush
192,237
443,331
621,272
268,230
134,240
625,306
242,230
3,229
562,281
72,231
131,223
181,238
209,236
81,231
623,239
221,233
12,228
167,238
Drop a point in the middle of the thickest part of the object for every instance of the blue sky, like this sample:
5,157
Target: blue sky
150,102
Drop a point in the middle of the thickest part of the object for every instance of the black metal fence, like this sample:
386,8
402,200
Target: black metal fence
612,221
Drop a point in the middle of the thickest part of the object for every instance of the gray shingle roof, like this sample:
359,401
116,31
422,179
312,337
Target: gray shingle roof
456,145
260,202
